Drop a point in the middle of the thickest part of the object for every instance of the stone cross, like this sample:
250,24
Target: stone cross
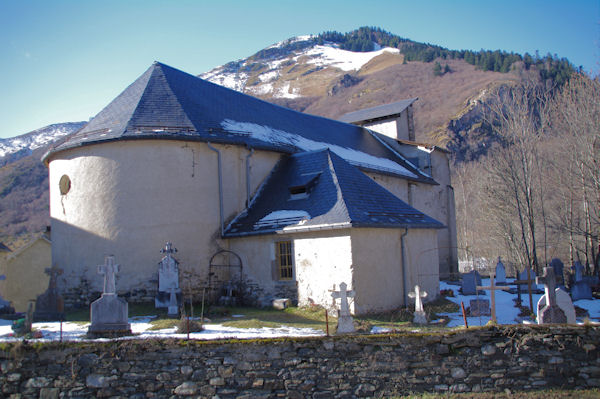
53,272
493,289
343,294
109,269
551,313
420,317
345,321
168,249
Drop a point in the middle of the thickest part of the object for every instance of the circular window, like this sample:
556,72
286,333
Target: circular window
64,184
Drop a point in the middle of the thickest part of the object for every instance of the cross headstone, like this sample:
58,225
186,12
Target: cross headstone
551,313
109,313
168,278
345,321
109,269
50,304
558,267
563,300
419,317
493,289
500,273
173,309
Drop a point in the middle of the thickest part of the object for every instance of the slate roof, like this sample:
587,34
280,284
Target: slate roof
165,103
339,195
379,112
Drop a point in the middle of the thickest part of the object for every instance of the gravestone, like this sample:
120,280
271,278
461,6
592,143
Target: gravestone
558,267
580,289
563,300
5,307
479,307
523,277
420,317
345,321
470,281
168,280
551,313
109,313
500,273
493,287
50,304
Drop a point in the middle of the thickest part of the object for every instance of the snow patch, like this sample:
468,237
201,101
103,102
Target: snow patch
284,92
280,137
281,217
326,55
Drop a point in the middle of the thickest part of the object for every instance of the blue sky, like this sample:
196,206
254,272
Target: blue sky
65,60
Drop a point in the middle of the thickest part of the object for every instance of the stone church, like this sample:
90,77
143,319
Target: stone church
258,199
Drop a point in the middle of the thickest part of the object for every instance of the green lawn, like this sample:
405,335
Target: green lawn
300,317
545,394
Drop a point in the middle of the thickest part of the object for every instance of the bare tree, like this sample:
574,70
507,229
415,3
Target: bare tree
514,170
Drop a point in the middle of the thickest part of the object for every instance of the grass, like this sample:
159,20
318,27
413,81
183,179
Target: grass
545,394
299,317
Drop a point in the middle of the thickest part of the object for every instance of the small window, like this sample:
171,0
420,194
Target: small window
284,260
64,184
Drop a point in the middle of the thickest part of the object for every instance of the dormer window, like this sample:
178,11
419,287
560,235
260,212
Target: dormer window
302,186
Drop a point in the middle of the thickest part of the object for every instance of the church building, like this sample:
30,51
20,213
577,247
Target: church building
258,199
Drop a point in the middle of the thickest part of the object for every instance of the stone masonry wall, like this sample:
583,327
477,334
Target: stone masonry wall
475,360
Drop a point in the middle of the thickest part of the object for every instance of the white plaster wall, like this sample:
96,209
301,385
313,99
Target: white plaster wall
322,262
386,127
436,201
321,259
422,257
377,265
396,128
395,185
129,197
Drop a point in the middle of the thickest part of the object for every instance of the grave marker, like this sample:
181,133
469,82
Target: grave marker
493,289
50,304
558,267
550,313
420,317
563,300
581,288
345,321
500,273
109,313
168,278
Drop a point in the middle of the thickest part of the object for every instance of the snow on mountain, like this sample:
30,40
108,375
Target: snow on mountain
278,70
37,138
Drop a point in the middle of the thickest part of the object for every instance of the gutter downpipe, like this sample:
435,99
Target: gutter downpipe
248,176
220,186
403,256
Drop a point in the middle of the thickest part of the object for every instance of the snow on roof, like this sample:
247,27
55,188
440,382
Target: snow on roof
355,157
282,217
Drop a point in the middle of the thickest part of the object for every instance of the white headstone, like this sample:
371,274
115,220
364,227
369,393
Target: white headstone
563,300
420,317
109,269
345,321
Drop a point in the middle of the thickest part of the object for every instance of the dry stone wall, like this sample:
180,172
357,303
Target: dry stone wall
475,360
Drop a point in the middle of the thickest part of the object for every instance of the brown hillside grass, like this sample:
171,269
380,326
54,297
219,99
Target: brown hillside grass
440,97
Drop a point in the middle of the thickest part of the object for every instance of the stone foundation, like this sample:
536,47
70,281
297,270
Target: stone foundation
484,359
